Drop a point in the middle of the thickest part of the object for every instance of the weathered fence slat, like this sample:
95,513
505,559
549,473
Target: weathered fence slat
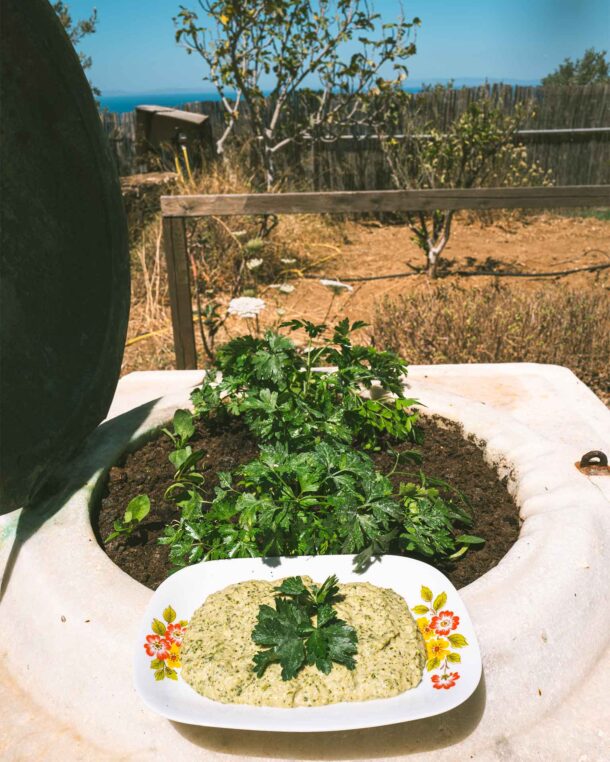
341,202
174,239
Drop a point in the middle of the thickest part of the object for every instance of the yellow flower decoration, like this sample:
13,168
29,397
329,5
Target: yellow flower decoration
437,647
173,659
424,627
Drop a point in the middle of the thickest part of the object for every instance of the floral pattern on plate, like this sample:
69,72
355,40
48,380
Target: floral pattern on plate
163,644
438,626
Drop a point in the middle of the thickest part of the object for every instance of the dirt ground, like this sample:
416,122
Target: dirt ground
541,243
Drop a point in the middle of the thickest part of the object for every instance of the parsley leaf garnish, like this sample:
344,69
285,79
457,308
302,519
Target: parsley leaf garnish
292,639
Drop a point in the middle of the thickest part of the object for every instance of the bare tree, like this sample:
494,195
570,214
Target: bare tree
293,42
479,148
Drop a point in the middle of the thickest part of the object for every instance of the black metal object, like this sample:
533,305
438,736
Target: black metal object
594,463
64,263
594,458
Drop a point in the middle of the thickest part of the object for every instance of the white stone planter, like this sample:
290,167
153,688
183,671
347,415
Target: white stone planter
70,616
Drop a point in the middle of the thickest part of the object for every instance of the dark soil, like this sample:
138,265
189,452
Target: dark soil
148,471
446,455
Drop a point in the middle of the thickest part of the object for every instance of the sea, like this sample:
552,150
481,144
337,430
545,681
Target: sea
123,102
120,103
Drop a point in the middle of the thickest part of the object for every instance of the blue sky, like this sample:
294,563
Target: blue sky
134,49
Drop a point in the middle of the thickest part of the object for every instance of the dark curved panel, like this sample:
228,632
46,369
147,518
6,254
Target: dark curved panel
64,278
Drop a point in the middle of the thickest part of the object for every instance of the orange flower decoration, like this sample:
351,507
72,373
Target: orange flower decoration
157,646
444,622
445,680
175,633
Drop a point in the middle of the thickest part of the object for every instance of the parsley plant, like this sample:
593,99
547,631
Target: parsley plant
313,489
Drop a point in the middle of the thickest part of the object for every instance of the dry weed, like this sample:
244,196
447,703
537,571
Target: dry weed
229,256
450,324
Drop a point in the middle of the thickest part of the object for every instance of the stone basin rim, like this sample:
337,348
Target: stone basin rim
539,575
510,446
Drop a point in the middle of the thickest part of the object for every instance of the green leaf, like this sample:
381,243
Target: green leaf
457,640
470,539
137,508
171,673
262,659
292,586
183,425
454,657
459,553
326,613
420,609
157,664
179,457
439,601
291,655
158,627
160,674
317,651
343,641
433,663
169,614
328,590
426,593
290,637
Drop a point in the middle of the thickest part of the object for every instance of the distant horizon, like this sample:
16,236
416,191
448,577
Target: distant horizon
415,83
123,101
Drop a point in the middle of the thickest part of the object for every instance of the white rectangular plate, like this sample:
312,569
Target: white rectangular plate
447,630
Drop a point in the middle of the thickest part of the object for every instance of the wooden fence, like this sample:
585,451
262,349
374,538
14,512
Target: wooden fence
569,134
176,210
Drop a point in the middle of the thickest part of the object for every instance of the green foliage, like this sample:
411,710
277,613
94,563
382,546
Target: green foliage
184,428
330,499
429,522
290,637
592,68
309,491
281,398
327,500
340,43
137,510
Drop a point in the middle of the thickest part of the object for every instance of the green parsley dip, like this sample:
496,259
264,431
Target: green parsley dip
217,650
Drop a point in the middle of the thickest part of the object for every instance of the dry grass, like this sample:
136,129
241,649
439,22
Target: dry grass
219,249
450,324
429,324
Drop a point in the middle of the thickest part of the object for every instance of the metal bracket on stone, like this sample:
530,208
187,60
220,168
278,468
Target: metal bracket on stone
594,463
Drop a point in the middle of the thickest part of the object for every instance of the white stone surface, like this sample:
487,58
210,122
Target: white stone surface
69,617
